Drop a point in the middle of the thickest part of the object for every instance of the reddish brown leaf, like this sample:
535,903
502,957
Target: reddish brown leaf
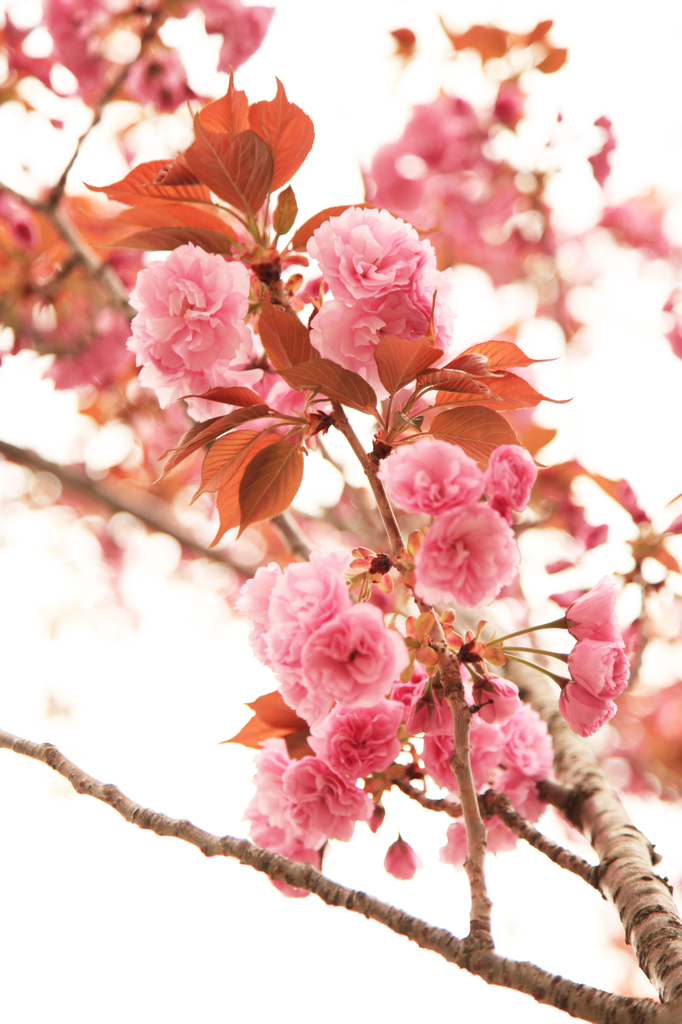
228,114
473,363
478,431
196,437
272,718
238,168
300,239
270,482
176,173
285,212
489,41
297,744
227,456
507,391
622,492
454,381
171,238
538,33
340,385
554,60
399,362
285,339
287,131
231,396
502,355
137,187
169,215
406,42
227,498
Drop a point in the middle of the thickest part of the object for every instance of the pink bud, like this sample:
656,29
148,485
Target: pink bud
377,819
504,696
401,861
592,616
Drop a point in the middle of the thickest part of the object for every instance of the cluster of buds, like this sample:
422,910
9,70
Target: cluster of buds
370,567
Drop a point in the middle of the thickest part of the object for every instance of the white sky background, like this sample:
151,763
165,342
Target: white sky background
101,921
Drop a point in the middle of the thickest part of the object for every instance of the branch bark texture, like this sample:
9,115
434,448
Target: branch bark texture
625,874
581,1001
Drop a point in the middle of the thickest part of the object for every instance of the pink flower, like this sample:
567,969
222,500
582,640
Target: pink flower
468,556
161,79
593,617
485,750
352,659
74,25
271,763
253,603
504,696
100,361
269,837
357,741
189,334
20,222
500,840
243,29
522,792
509,479
431,477
368,254
401,861
349,332
599,666
509,104
527,744
304,598
428,717
584,712
321,804
405,693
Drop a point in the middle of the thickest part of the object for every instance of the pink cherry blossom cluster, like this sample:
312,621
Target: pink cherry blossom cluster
322,648
189,334
383,279
469,552
598,666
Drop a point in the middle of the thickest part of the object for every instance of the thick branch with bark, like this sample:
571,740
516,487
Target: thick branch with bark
581,1001
625,874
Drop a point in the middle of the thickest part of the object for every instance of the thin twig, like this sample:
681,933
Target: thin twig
445,806
383,504
493,802
296,542
151,511
581,1001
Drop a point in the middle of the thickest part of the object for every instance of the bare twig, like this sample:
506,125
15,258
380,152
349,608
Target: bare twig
445,806
383,504
493,802
296,542
578,1000
151,511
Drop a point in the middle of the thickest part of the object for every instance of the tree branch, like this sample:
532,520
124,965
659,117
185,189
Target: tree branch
580,1001
643,900
151,511
493,802
296,542
383,504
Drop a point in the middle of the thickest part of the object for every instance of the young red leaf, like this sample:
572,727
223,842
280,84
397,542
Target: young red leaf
300,239
270,483
227,456
171,214
285,212
285,339
228,114
340,385
554,60
472,362
538,33
454,381
489,41
287,131
231,396
502,355
196,437
478,431
137,187
171,238
238,168
399,362
508,391
176,173
272,718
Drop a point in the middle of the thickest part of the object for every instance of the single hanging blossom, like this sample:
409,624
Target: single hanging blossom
189,334
431,477
503,695
584,712
468,556
509,479
600,667
593,616
401,861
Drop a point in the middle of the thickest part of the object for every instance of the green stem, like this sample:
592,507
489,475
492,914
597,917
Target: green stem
561,680
537,650
557,624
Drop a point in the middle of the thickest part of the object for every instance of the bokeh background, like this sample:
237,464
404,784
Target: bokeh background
138,676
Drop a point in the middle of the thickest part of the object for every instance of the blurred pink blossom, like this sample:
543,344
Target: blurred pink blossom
468,555
243,29
401,861
527,744
74,25
161,79
431,477
522,792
